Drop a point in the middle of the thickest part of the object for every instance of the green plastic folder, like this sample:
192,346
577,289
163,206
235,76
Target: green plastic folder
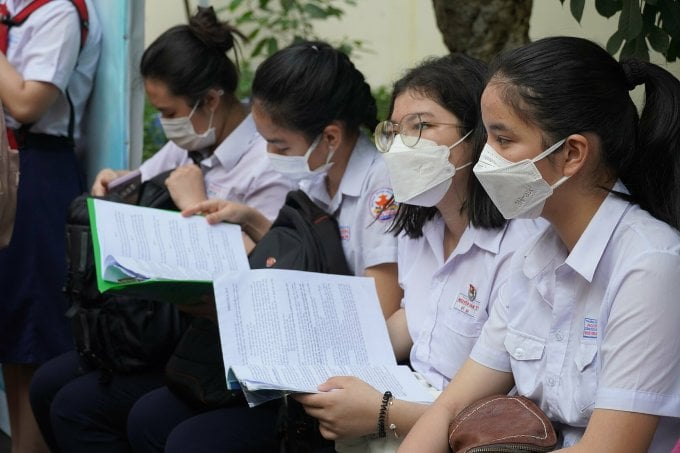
218,248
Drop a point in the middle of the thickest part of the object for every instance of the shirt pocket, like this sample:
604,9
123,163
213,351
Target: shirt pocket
585,385
526,354
463,325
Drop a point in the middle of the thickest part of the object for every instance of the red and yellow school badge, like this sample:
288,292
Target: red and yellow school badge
382,205
472,292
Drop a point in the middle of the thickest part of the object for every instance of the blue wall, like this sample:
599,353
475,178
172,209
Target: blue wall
113,126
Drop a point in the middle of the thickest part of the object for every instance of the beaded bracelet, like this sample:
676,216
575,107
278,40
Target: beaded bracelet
382,414
392,426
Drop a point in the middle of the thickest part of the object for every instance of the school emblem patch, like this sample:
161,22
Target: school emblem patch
382,205
589,328
472,292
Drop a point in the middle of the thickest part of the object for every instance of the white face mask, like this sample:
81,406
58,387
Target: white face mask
421,175
516,188
181,131
296,168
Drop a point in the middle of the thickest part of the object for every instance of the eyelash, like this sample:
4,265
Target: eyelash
279,149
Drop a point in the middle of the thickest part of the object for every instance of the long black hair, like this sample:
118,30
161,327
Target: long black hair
455,82
191,59
567,85
306,86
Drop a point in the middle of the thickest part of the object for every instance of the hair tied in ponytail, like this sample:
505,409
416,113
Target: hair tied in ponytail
634,71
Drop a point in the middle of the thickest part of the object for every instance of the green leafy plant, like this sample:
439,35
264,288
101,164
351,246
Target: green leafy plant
154,137
643,24
272,24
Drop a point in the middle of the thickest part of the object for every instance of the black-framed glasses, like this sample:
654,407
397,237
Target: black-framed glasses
409,128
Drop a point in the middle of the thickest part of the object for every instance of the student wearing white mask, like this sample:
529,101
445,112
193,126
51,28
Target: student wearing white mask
586,325
309,102
453,247
191,81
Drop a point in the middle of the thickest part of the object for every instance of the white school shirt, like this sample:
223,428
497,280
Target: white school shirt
239,170
361,207
46,48
596,328
447,300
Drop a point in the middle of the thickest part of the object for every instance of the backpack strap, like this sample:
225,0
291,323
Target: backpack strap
84,17
20,17
325,228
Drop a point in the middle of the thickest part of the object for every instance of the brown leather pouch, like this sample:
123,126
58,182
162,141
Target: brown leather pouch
502,423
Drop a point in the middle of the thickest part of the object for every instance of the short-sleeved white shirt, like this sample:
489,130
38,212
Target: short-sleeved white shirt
46,48
595,328
360,207
447,300
238,170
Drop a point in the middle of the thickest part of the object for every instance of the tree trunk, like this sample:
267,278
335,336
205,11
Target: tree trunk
485,27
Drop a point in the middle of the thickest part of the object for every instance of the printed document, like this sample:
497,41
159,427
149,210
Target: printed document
135,244
288,331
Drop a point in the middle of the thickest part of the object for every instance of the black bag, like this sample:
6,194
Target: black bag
303,237
113,332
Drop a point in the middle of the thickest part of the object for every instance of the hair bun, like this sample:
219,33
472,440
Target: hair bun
210,31
634,72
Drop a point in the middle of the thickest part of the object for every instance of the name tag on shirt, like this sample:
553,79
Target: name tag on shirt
466,305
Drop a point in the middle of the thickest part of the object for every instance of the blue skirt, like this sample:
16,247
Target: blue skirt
33,327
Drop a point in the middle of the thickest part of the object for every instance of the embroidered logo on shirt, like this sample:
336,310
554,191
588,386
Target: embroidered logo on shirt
466,304
214,190
589,328
382,205
472,292
344,233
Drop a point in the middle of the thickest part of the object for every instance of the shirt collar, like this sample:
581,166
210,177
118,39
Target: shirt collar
235,146
358,166
587,253
590,247
488,239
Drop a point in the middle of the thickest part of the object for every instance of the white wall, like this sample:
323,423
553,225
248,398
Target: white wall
399,33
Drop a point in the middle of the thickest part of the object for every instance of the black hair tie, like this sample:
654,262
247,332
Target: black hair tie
634,72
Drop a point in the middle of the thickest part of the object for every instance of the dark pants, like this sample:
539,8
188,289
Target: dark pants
160,421
77,411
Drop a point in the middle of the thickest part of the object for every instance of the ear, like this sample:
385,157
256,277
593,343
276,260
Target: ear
577,148
332,134
212,98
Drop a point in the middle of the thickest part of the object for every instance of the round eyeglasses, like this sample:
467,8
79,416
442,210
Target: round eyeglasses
410,128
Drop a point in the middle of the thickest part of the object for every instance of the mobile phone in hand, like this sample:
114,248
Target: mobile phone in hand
127,186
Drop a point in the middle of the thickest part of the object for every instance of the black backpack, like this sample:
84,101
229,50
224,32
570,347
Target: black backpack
114,332
303,237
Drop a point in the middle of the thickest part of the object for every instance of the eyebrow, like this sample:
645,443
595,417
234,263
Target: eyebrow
499,127
425,114
275,141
